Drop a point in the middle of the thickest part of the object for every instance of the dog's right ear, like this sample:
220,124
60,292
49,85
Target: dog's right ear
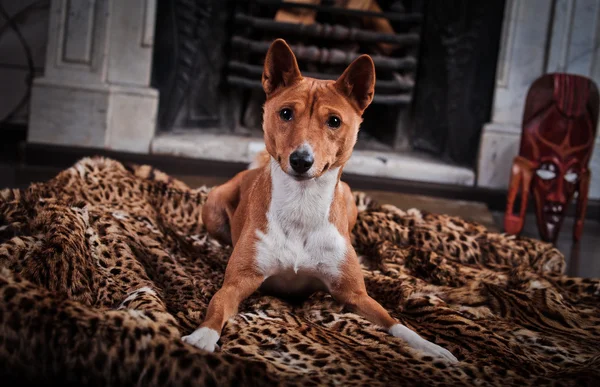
281,68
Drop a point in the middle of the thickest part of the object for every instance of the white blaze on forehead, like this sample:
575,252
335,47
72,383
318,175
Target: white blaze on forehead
305,147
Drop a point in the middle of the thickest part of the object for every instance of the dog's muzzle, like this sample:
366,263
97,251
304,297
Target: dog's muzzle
301,161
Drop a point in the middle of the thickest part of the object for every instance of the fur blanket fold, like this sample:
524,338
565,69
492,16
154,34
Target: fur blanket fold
105,267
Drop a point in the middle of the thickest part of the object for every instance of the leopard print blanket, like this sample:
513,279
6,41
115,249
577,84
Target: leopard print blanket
105,267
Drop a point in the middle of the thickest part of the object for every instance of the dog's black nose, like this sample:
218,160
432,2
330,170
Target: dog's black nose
301,161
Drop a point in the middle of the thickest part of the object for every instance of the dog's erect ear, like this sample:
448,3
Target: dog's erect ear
281,68
358,82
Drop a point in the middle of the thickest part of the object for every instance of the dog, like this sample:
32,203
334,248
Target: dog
289,219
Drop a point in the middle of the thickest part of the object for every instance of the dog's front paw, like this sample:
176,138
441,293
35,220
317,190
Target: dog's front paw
419,343
203,338
435,350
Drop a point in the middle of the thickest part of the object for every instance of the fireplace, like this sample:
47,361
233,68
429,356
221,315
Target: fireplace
204,57
433,91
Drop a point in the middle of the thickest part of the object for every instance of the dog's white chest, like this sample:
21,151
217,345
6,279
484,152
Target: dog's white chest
300,248
299,236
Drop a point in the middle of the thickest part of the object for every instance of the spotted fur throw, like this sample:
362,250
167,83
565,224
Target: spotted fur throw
105,267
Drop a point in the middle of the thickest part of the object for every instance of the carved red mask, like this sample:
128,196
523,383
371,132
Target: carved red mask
559,128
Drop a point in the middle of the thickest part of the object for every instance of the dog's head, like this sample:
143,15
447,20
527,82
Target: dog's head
310,125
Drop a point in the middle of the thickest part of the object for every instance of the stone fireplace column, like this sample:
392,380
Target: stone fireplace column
538,37
95,89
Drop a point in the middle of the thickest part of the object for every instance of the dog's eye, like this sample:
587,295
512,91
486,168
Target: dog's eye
286,114
334,122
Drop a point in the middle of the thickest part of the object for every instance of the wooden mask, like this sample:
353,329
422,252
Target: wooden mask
559,129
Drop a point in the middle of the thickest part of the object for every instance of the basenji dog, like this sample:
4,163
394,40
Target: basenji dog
290,218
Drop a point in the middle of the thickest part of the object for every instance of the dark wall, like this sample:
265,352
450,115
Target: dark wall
456,76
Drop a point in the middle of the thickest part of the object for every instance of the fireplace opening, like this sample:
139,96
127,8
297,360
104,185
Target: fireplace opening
435,64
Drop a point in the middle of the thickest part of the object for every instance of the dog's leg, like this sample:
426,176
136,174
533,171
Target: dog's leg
351,290
219,208
351,209
241,280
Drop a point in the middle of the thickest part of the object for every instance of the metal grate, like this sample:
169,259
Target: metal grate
324,47
395,79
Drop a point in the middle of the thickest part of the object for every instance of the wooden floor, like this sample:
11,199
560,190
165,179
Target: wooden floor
583,258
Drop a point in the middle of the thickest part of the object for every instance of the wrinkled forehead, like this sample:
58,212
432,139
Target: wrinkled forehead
311,93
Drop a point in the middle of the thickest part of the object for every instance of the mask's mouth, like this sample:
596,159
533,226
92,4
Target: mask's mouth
553,214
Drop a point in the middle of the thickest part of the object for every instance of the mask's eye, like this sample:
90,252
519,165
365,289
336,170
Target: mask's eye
545,174
286,114
546,171
334,122
571,177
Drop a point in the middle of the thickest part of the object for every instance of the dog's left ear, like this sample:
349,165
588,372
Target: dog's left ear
358,82
281,68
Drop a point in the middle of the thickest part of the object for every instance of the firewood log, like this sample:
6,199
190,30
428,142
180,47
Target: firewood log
378,24
297,15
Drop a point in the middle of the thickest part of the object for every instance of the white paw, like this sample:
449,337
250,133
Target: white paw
419,343
203,338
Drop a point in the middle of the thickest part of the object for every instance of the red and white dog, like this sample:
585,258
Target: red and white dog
290,219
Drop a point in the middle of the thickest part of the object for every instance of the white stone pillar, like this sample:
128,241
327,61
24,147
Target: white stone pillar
538,37
95,89
521,60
